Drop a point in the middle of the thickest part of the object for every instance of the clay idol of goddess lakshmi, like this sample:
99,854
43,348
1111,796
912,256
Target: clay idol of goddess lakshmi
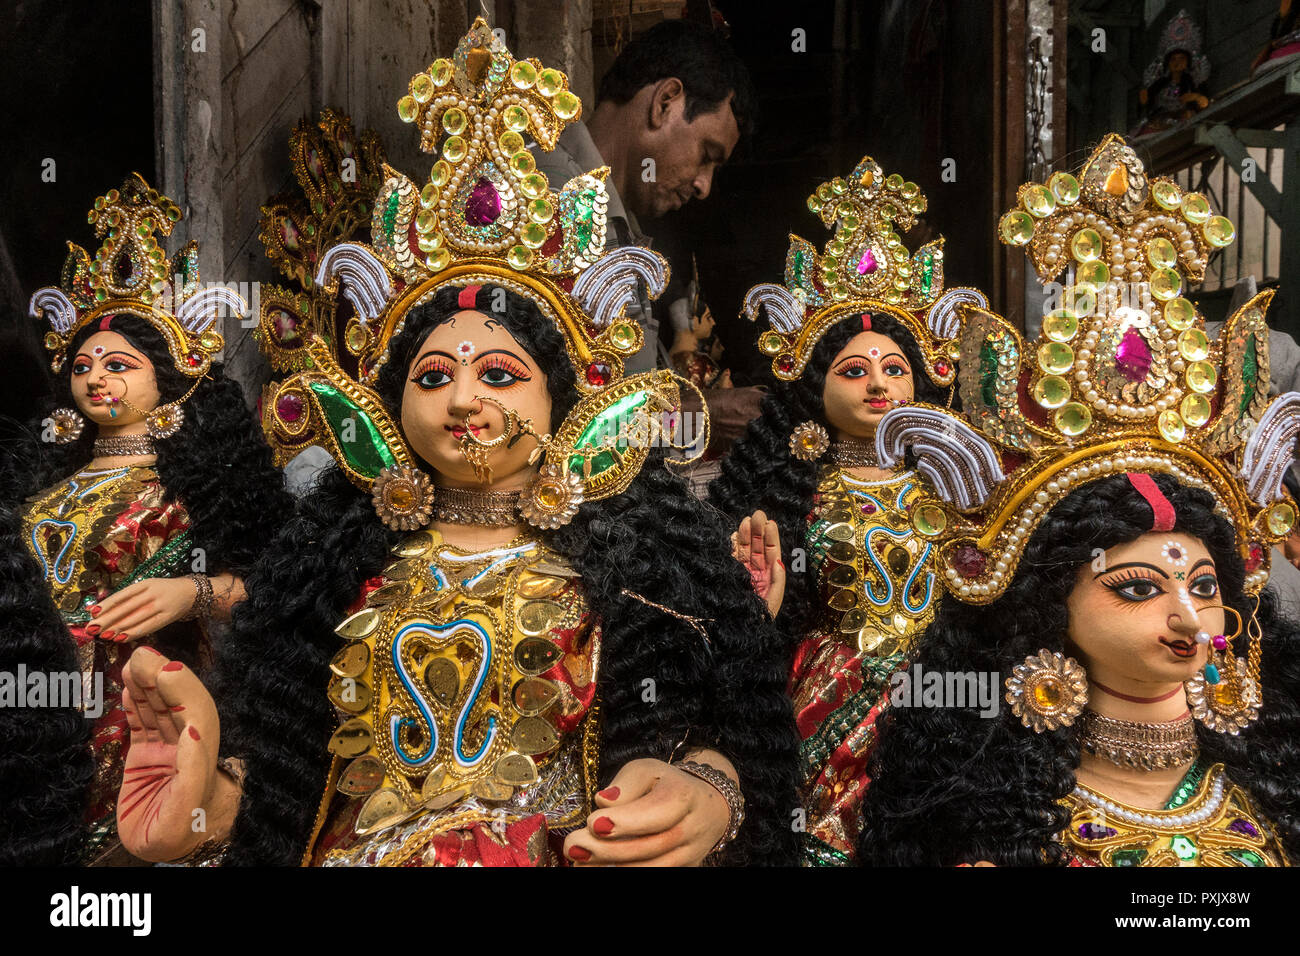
500,631
153,489
857,330
1109,510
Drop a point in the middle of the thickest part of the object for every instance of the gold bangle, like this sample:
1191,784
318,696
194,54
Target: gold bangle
720,782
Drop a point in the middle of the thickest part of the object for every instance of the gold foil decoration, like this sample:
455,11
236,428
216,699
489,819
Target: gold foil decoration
842,552
361,776
351,661
352,739
382,809
488,789
517,770
442,677
359,625
533,735
388,593
532,695
405,570
845,576
839,532
415,545
350,694
534,655
538,617
534,586
843,600
433,783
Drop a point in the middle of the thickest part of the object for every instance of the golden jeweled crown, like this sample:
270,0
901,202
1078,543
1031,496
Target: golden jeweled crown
1122,378
130,272
485,216
864,268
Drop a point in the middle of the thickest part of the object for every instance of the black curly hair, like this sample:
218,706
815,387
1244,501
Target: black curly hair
949,786
45,761
760,472
219,467
654,539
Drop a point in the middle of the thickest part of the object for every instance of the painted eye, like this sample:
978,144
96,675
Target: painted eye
895,371
80,368
117,365
431,379
857,371
1205,586
498,377
1139,590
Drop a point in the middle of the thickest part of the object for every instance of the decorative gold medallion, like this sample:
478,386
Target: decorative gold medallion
1047,691
165,420
403,497
809,441
552,498
67,425
1227,707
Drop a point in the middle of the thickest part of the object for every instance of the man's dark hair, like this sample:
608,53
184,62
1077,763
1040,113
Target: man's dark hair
705,63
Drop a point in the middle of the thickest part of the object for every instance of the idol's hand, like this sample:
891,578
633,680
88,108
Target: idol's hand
653,815
173,798
757,545
142,608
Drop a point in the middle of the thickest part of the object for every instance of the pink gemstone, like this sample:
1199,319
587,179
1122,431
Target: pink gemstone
1133,357
1220,642
969,561
286,327
1255,557
868,508
867,263
483,205
289,407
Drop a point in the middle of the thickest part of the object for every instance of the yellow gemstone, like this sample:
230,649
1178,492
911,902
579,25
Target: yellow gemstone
523,75
769,343
1193,345
1016,228
850,221
1050,694
355,338
1196,208
1093,275
1086,245
1281,518
566,104
429,196
1165,284
428,243
1065,188
439,259
1060,325
551,495
1219,231
1073,419
407,109
401,497
522,163
441,70
809,441
1052,391
1201,377
510,142
52,341
1039,201
440,174
1172,426
533,185
824,192
1161,253
894,182
1180,314
454,149
1166,194
422,87
1054,358
427,220
533,235
1195,410
622,336
1080,300
814,204
550,82
954,350
515,118
539,210
909,189
454,121
929,519
519,257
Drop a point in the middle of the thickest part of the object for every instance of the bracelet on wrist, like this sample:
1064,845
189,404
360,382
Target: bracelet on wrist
720,782
202,606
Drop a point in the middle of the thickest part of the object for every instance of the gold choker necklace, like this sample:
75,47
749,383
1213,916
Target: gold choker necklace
123,445
854,453
1128,743
490,509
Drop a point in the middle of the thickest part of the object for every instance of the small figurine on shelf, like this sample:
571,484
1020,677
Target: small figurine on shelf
1175,79
1283,39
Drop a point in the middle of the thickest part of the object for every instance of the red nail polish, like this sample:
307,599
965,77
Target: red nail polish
152,650
193,733
122,636
108,635
94,610
609,793
92,629
178,708
575,853
173,666
602,826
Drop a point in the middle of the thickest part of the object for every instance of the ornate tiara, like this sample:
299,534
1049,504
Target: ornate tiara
131,273
1122,378
864,268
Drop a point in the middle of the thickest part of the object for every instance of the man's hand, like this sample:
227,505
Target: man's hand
757,546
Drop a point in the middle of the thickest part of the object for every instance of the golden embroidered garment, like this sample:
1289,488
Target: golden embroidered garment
466,688
1210,821
94,534
876,574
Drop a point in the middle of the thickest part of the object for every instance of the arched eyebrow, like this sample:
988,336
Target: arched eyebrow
1131,564
1209,561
